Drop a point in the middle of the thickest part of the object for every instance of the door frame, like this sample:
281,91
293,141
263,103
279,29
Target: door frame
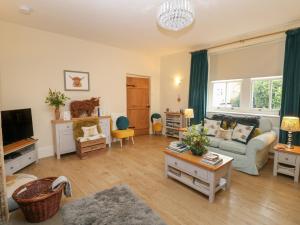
141,76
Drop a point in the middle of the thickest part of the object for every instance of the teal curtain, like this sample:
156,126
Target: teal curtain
198,85
290,102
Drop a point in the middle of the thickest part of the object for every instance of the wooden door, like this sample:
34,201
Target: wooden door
138,106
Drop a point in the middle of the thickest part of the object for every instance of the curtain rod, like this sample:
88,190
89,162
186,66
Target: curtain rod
242,40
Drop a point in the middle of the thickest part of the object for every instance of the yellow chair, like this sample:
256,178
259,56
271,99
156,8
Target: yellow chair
157,127
123,132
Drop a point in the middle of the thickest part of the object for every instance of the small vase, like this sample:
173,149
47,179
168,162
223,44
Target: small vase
57,113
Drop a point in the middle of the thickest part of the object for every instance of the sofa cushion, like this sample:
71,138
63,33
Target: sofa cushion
242,133
233,146
214,141
212,126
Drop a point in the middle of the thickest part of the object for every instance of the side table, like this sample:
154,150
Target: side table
287,161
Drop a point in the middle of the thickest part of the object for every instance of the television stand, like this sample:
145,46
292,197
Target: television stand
19,155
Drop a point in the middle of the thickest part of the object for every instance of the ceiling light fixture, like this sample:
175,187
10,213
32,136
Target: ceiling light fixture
175,14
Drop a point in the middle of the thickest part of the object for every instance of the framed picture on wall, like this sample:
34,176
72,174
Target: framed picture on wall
76,80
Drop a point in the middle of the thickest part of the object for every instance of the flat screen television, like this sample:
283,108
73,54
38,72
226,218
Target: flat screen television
16,125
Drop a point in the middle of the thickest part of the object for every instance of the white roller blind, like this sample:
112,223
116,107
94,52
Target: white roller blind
254,61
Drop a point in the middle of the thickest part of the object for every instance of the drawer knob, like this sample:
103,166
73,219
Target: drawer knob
11,167
286,158
175,163
195,171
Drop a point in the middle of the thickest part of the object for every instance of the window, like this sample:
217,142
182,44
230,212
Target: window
266,93
226,94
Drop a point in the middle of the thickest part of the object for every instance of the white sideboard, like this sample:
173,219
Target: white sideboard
19,155
63,139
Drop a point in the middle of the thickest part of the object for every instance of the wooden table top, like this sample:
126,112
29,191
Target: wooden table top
7,149
197,160
283,148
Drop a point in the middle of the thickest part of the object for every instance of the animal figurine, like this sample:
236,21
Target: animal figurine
78,108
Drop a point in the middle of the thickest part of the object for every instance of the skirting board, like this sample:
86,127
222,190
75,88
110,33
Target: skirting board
45,151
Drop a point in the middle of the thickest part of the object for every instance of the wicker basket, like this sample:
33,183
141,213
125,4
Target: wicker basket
37,201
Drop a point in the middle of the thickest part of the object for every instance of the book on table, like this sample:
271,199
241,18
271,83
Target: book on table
177,146
211,158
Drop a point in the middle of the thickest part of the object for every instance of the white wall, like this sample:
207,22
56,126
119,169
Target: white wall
31,61
175,66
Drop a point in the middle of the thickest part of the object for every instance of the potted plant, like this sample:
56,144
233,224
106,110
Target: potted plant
196,139
56,99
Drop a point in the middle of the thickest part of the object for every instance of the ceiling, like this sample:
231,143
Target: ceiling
131,24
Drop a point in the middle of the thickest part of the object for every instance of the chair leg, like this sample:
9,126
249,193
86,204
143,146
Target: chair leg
132,140
121,142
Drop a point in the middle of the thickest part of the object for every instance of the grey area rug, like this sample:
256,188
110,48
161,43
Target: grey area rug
116,206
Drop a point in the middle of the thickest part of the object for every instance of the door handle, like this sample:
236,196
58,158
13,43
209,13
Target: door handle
131,127
130,85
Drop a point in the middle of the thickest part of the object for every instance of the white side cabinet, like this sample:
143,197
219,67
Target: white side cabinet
63,138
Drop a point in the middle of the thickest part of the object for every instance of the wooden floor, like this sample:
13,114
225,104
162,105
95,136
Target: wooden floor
254,200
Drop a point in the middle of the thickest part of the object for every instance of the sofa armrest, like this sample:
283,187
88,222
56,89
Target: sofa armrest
261,142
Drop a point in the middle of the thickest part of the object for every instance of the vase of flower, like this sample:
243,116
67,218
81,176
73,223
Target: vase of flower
57,113
56,99
196,139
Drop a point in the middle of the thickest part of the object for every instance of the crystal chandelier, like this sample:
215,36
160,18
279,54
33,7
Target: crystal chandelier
175,14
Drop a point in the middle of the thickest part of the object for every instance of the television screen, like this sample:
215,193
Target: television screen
16,125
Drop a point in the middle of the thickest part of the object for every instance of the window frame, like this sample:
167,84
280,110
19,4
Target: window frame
240,81
270,79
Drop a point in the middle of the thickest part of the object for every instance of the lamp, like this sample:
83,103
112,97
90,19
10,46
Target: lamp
290,124
189,114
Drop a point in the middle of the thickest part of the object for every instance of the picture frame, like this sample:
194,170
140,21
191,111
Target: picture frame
76,80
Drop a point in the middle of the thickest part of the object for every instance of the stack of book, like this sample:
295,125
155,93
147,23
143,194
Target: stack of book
177,146
211,159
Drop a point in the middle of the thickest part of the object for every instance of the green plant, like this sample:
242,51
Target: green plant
56,98
196,139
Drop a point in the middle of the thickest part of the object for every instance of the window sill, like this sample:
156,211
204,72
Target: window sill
244,113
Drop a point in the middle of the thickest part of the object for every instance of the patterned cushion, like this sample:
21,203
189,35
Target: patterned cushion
242,133
212,126
224,134
90,131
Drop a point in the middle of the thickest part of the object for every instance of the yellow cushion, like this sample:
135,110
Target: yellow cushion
157,127
123,133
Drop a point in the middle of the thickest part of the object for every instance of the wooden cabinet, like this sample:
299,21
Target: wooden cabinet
63,138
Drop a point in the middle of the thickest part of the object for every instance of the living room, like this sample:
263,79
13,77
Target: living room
140,81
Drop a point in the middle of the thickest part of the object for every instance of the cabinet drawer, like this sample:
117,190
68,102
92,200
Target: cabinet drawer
177,163
65,126
12,166
197,172
28,158
286,158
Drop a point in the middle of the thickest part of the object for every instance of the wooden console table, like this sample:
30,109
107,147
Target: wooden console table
190,170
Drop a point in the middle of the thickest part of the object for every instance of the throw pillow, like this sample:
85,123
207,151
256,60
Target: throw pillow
212,126
242,133
158,120
122,123
256,132
224,134
90,131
